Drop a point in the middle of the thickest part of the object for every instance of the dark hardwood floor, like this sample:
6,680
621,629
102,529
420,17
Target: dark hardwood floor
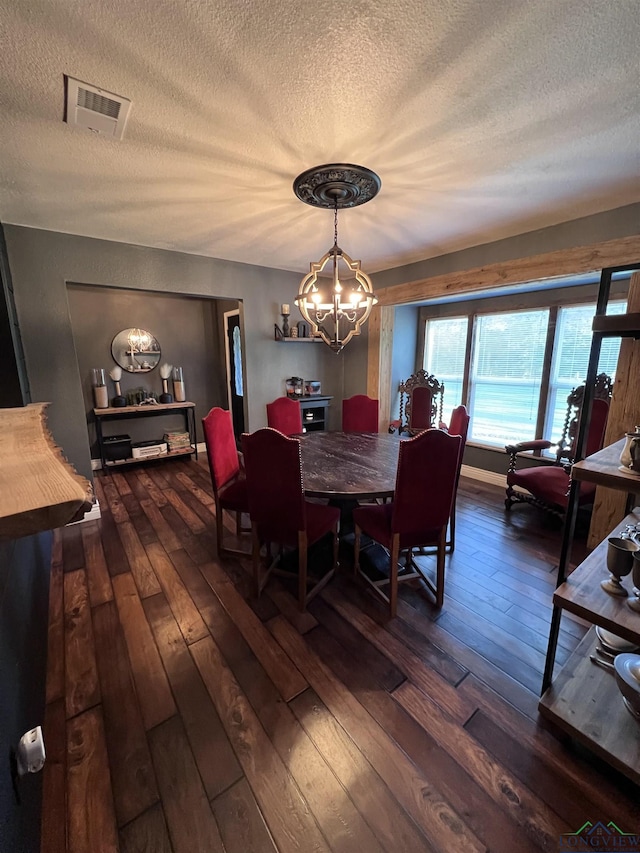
185,715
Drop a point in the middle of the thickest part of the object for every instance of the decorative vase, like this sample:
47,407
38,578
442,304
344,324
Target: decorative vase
178,385
634,602
620,553
118,401
100,393
626,459
165,397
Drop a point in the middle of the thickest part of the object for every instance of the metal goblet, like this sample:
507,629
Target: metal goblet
634,601
619,562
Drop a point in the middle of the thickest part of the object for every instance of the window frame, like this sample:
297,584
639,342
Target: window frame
525,302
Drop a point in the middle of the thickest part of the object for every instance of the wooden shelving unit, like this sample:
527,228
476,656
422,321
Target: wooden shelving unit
585,702
187,409
583,699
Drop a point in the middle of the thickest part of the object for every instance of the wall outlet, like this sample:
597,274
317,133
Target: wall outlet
30,754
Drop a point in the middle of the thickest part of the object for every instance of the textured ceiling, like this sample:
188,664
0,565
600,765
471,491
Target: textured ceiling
483,118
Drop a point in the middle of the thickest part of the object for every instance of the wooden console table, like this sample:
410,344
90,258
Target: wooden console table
187,409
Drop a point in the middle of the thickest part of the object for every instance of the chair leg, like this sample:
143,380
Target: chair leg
255,552
302,569
356,551
442,539
452,530
393,575
219,529
335,548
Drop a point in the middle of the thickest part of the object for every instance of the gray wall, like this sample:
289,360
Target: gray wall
621,222
24,611
44,262
404,358
189,333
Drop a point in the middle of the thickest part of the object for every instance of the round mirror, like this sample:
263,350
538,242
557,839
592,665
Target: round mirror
135,350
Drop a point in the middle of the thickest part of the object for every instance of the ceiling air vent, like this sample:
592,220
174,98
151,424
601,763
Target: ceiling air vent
95,109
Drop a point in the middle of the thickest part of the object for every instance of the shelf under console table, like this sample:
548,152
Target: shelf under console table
187,409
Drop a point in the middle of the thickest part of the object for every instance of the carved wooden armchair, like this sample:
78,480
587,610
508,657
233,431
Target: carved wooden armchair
421,399
547,486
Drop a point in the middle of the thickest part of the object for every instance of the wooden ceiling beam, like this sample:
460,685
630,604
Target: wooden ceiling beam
564,262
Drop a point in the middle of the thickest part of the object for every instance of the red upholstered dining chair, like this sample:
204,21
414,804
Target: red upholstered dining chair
284,415
360,414
229,484
279,512
417,516
458,425
547,486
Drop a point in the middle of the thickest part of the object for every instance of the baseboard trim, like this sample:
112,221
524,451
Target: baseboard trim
490,477
93,515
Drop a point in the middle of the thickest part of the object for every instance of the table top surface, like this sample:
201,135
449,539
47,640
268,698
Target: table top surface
349,466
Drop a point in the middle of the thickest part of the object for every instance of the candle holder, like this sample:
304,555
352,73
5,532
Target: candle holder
100,393
284,309
178,385
116,375
165,373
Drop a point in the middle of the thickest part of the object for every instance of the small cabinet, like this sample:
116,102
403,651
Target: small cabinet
315,413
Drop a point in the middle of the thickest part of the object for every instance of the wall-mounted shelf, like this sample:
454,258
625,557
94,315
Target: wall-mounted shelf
298,340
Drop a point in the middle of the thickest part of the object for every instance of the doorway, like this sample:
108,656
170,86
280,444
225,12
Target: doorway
235,380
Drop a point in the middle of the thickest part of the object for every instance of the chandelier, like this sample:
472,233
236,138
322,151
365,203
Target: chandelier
336,303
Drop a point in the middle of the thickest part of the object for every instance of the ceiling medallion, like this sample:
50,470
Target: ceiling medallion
336,306
349,185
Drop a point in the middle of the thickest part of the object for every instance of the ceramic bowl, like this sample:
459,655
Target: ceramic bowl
614,643
627,667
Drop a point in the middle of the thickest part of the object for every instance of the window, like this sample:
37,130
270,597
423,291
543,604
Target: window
502,380
506,376
571,356
444,350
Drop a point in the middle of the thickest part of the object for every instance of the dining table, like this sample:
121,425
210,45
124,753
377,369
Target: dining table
347,467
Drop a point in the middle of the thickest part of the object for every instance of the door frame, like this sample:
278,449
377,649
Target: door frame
227,358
